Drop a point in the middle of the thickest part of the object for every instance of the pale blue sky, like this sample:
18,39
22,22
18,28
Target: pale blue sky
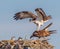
10,27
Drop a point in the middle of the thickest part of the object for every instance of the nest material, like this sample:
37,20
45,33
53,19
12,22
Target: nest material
36,44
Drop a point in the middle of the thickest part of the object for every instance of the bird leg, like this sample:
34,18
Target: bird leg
38,27
38,24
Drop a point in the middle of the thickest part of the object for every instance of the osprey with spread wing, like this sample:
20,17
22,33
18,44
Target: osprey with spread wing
38,19
43,33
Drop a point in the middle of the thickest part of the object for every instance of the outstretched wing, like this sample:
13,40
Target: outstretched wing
41,14
24,14
41,11
47,26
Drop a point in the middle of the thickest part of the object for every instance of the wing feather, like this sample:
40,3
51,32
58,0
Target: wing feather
45,17
23,15
52,31
47,26
40,12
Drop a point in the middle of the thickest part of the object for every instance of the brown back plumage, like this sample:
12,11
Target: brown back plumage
42,33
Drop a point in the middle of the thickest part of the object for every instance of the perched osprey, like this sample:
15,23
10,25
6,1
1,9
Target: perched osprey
43,32
38,19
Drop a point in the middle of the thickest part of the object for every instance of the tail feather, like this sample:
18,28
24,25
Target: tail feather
52,31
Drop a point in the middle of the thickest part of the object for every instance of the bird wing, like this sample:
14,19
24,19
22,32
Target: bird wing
45,17
42,11
41,14
47,26
24,14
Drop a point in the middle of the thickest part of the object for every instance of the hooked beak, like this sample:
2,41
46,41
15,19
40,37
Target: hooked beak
31,36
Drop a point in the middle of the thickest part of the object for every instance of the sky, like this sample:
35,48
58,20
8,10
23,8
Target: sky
23,28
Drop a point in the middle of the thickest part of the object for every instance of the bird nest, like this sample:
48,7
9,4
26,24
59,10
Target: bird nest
37,44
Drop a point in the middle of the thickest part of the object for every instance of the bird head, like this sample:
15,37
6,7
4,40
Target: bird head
30,20
31,36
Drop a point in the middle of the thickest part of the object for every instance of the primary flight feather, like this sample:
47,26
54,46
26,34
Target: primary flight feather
24,14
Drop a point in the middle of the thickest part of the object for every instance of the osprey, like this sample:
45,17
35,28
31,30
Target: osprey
41,18
38,19
43,32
